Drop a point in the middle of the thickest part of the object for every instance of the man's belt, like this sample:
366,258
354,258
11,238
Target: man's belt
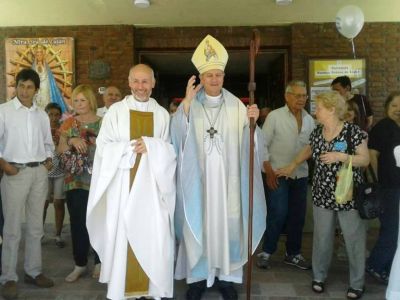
32,164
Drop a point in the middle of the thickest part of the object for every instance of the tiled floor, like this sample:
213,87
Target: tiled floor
281,282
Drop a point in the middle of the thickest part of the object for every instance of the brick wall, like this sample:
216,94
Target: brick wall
114,44
189,37
378,43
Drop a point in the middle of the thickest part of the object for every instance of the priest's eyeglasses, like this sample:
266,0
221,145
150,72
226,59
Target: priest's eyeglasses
299,96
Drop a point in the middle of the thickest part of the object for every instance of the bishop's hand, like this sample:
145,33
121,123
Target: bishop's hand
191,91
253,112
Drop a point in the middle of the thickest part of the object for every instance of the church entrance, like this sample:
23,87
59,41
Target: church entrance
174,67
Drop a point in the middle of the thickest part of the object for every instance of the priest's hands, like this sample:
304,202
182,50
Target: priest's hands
139,146
253,112
191,91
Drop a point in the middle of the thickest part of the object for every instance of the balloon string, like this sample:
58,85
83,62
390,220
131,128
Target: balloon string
354,50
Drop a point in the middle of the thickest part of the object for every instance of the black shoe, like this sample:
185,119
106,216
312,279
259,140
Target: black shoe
10,290
317,286
196,290
227,290
354,293
298,261
382,277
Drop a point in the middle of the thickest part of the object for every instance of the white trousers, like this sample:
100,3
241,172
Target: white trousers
26,190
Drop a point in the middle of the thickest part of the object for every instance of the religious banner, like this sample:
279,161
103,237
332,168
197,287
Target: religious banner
321,73
52,58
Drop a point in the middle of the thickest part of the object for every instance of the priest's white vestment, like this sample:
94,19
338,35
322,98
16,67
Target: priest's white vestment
141,216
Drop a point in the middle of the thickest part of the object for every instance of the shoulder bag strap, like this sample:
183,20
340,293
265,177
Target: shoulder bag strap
350,148
373,175
362,101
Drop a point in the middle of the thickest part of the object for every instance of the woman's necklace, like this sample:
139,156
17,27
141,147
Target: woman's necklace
212,130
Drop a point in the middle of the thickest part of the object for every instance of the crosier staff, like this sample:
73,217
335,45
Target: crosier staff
254,45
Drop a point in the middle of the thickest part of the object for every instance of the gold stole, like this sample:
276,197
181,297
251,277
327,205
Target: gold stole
136,281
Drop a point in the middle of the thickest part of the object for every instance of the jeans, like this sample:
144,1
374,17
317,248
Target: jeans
77,201
286,205
381,257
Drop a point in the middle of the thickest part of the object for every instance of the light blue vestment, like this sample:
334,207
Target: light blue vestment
187,136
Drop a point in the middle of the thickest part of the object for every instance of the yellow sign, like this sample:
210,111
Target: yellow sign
322,72
324,69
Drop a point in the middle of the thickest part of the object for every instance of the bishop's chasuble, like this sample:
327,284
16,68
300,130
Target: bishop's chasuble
211,218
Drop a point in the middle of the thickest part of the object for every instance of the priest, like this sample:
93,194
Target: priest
132,195
210,132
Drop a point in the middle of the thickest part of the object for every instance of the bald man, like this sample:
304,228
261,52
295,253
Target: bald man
111,95
132,195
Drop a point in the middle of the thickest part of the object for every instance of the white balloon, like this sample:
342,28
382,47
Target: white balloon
349,21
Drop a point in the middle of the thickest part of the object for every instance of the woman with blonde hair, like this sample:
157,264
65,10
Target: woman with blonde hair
332,144
77,147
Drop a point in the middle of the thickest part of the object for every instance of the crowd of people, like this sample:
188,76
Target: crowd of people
162,197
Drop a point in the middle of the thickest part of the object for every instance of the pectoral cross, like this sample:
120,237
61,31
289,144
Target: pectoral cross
212,131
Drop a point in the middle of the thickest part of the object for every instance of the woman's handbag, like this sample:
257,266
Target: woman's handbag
368,198
344,183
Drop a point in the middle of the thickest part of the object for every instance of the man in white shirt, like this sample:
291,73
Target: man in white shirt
25,157
110,96
286,131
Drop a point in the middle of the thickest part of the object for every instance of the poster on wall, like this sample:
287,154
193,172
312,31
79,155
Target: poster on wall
52,58
321,73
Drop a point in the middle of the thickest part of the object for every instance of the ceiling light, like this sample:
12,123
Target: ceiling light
141,3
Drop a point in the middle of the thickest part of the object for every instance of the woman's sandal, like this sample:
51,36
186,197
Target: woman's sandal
354,293
317,286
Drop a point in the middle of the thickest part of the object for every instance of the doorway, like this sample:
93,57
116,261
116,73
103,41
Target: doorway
173,68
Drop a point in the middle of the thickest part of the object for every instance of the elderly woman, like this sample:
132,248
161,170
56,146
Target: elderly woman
77,147
332,144
384,137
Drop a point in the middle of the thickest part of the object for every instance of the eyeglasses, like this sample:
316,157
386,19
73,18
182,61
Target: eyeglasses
299,96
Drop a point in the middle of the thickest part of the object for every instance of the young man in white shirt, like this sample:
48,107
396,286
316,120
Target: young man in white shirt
25,157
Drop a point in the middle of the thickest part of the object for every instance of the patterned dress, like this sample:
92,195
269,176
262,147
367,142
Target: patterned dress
324,179
56,171
87,131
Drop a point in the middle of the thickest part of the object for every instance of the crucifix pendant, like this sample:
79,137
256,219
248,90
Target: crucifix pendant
212,131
